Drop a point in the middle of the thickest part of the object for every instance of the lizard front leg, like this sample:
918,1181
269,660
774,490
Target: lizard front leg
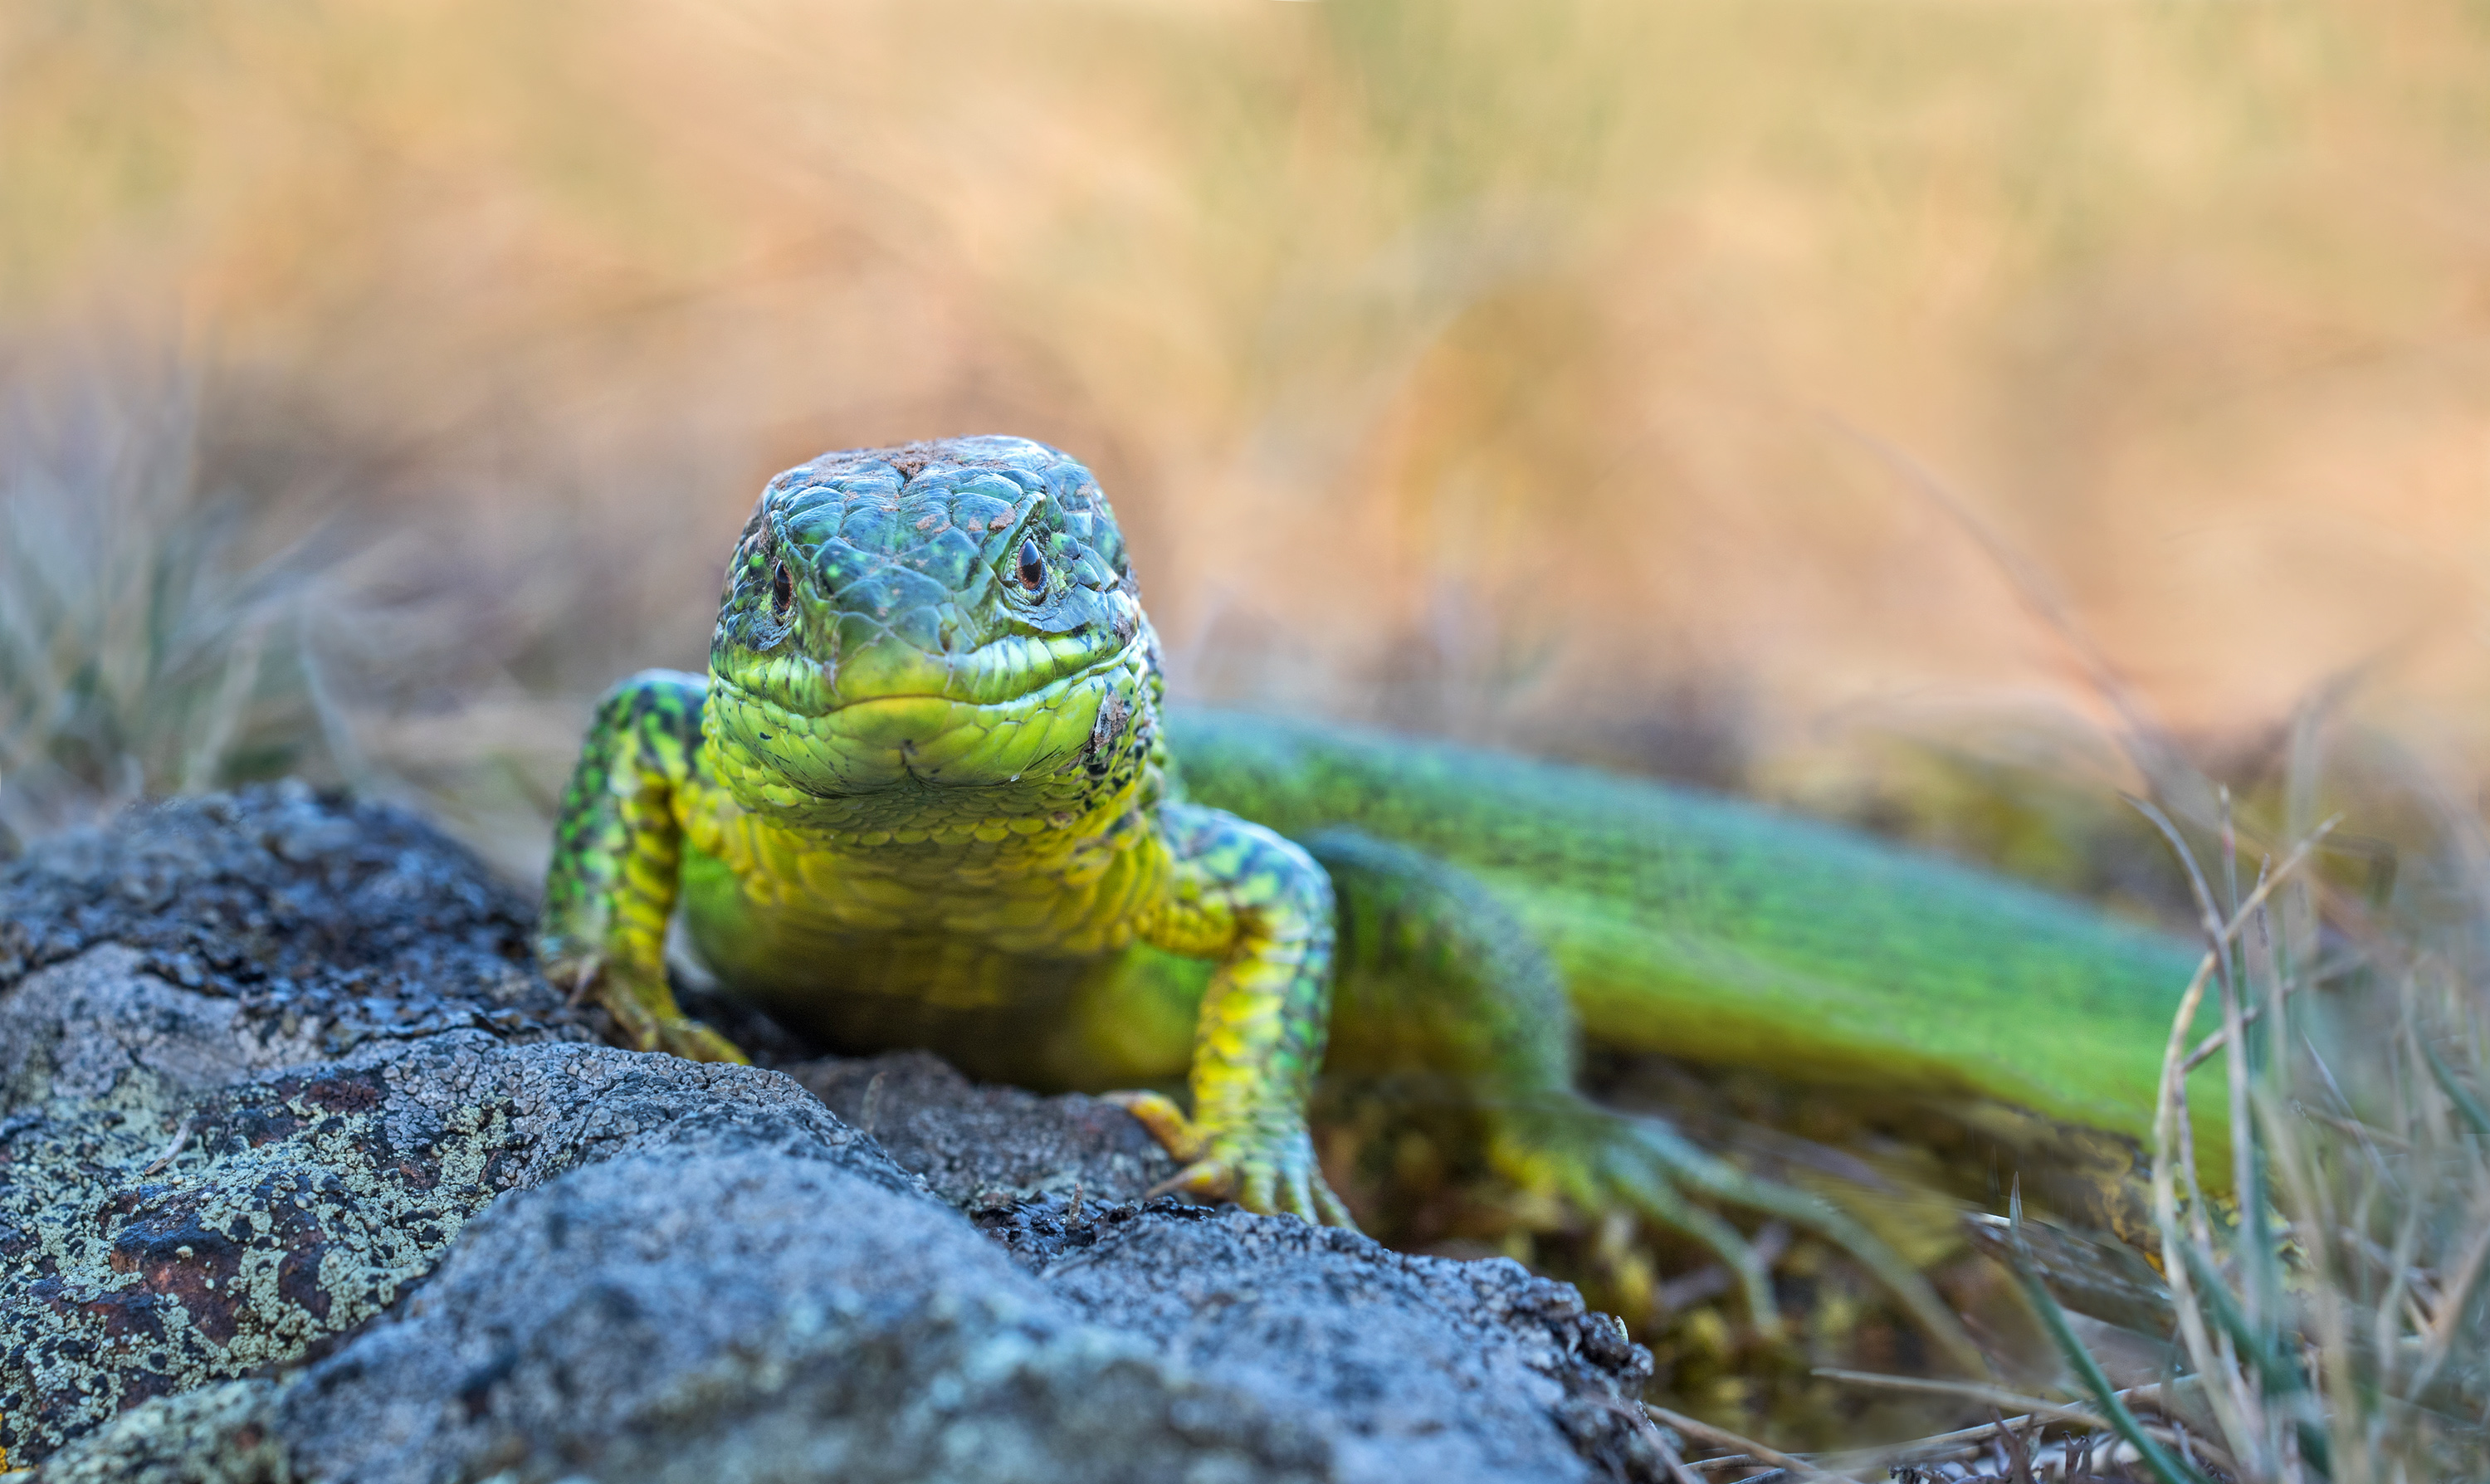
1260,904
618,849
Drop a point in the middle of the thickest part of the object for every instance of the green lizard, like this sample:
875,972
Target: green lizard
927,796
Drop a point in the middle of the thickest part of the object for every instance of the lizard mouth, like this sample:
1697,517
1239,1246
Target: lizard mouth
887,668
1003,672
924,736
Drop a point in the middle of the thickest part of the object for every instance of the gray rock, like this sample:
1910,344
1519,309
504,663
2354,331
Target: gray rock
980,1146
82,1029
734,1310
298,1203
222,1433
1416,1366
341,923
189,1189
342,1226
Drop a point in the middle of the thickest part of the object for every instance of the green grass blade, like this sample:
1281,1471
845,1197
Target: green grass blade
2466,1104
2164,1467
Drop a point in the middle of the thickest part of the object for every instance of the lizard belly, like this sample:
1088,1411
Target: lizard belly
999,1015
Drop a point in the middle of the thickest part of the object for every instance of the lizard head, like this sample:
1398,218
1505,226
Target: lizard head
941,616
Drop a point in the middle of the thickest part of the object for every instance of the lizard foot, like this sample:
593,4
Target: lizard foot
1597,1160
1261,1168
644,1010
694,1041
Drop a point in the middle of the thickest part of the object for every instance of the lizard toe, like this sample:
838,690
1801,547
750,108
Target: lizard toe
1297,1196
1304,1193
1212,1180
1715,1176
1645,1188
636,1025
694,1041
1166,1122
1260,1189
1332,1210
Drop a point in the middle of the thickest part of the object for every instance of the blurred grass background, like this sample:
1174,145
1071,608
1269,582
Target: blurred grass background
1486,368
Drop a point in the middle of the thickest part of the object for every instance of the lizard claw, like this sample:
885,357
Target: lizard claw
1273,1170
644,1010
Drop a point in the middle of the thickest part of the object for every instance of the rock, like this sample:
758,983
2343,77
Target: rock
749,1310
306,1176
1417,1366
314,918
224,1432
173,1209
980,1144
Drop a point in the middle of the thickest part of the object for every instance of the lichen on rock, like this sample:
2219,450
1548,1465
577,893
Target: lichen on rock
190,1188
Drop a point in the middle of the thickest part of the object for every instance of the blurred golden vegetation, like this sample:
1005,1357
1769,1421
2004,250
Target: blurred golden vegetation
1501,370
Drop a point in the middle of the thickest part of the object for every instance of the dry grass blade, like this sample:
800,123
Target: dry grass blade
1991,1396
1969,1440
172,1150
1723,1438
1963,1442
2228,933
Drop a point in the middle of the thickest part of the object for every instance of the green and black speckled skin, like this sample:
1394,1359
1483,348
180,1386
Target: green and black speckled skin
926,797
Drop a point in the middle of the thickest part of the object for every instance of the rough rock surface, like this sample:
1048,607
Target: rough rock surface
304,1175
983,1145
190,1186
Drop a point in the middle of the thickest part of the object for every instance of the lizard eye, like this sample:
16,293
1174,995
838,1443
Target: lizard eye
1032,570
782,590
